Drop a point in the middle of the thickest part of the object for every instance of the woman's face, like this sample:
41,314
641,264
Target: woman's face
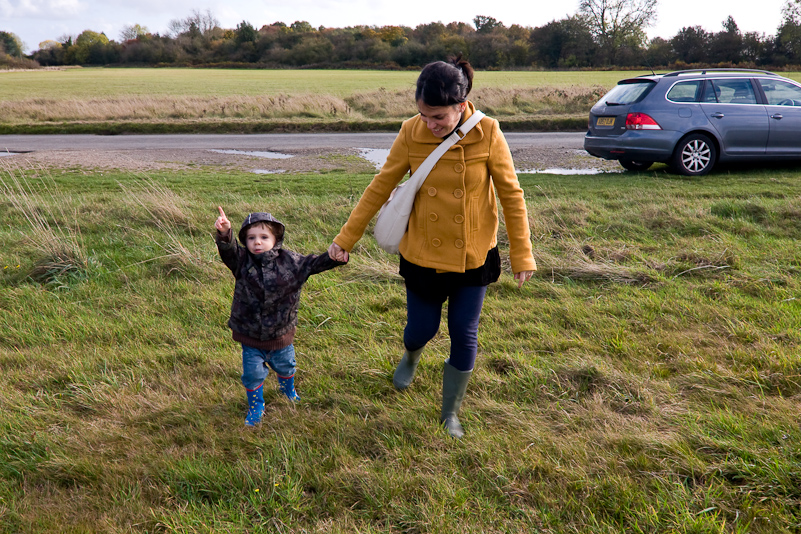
441,120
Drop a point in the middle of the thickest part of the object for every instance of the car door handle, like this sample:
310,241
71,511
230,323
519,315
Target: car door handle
717,115
777,116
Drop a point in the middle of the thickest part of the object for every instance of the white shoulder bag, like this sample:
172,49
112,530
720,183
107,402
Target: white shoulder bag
394,215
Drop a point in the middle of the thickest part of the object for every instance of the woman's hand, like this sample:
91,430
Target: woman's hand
337,253
523,276
222,224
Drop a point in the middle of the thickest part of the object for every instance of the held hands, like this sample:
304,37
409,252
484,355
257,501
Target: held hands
337,253
523,276
222,224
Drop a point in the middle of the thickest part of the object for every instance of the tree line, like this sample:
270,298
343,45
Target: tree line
602,34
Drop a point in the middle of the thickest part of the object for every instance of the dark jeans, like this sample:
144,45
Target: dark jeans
424,312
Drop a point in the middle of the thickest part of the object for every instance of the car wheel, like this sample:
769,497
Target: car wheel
694,156
631,165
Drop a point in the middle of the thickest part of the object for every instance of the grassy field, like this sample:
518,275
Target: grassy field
215,100
647,380
115,82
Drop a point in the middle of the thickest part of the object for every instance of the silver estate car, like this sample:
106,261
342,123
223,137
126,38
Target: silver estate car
693,119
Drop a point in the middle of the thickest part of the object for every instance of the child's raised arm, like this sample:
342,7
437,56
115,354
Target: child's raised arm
222,224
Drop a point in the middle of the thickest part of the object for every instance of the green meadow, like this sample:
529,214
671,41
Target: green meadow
646,380
117,82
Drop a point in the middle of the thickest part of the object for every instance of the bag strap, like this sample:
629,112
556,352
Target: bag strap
422,171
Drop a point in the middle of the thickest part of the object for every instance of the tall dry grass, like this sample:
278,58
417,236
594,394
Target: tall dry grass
382,103
180,240
47,225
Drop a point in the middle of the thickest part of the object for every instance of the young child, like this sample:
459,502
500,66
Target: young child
264,313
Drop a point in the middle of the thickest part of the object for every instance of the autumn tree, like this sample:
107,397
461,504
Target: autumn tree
89,47
486,24
10,44
691,44
196,23
659,53
301,26
726,46
245,33
617,24
788,35
133,31
565,43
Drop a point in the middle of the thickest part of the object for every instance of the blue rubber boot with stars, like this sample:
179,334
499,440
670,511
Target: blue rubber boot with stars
255,405
287,386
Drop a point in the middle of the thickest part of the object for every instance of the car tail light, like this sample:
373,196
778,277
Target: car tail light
641,121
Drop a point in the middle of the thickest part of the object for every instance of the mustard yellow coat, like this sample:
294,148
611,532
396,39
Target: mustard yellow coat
454,222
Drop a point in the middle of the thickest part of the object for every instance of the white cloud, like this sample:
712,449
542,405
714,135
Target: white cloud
49,9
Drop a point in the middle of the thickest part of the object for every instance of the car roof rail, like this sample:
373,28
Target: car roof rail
704,71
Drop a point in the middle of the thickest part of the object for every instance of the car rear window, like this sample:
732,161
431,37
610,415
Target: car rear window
627,92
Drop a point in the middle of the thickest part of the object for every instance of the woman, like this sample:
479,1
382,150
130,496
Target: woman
449,250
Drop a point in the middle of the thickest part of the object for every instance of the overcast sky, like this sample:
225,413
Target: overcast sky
35,21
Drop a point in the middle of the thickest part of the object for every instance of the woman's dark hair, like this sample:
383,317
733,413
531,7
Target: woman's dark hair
445,83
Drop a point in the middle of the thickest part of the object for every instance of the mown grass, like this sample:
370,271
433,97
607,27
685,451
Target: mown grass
647,380
118,82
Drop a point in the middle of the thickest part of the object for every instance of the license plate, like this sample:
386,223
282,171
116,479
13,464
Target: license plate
605,121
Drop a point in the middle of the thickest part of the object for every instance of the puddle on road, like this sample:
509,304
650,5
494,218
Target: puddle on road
9,153
268,171
255,153
378,156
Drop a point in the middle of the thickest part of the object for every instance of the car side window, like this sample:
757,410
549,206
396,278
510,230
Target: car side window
735,91
685,91
781,93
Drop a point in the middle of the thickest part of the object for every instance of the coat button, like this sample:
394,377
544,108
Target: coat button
436,242
458,193
458,167
458,243
432,191
458,219
433,217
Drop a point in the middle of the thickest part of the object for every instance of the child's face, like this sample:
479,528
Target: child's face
259,239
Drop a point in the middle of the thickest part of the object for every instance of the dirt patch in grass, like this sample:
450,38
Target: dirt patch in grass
302,161
310,160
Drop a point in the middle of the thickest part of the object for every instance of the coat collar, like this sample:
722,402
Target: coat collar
421,133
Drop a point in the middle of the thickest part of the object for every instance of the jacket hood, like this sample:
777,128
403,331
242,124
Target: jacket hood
263,217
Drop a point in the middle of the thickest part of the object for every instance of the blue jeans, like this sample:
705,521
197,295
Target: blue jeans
255,364
423,315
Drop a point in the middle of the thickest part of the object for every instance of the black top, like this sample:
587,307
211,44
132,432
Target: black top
428,280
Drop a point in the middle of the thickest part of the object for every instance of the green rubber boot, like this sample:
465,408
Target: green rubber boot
404,373
454,386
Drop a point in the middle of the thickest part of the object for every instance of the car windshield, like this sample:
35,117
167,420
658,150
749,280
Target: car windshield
627,92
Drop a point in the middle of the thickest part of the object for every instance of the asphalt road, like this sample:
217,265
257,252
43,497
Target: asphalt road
274,142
